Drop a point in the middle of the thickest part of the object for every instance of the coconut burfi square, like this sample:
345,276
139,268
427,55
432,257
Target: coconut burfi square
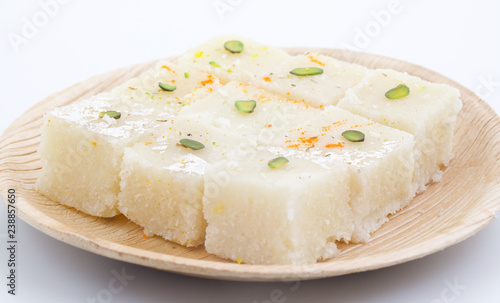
81,150
162,191
162,179
427,110
217,57
379,158
312,78
287,215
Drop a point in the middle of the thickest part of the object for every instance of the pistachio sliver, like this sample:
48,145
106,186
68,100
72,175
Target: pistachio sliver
277,162
398,92
234,46
192,144
245,106
306,71
167,87
111,113
213,63
354,135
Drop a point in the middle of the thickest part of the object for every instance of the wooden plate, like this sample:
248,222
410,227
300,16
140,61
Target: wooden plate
450,211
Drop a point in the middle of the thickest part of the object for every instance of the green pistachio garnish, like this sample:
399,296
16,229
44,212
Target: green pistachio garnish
245,106
111,113
186,75
306,71
213,63
354,135
399,91
167,87
192,144
277,162
234,46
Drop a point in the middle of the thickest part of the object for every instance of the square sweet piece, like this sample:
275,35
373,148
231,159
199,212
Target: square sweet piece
81,152
162,180
288,215
429,112
163,194
297,79
379,158
253,59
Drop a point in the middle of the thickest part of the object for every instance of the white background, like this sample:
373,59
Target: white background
459,39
